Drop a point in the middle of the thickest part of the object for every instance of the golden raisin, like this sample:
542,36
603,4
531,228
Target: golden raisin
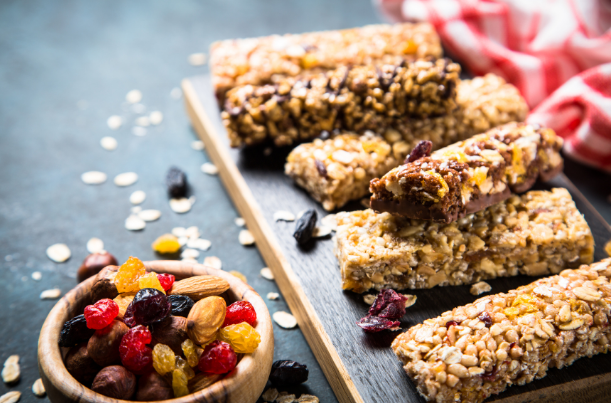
189,349
166,243
127,277
239,275
150,280
242,337
184,367
179,383
164,360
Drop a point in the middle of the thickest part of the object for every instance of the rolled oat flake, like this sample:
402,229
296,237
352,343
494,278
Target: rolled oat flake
114,122
156,117
181,205
273,296
53,293
11,371
10,397
126,179
284,319
133,97
38,388
59,252
246,238
149,215
282,215
209,169
214,262
267,273
93,177
108,143
137,197
95,245
134,223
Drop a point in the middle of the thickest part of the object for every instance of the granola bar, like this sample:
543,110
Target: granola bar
538,233
471,175
348,98
258,61
480,349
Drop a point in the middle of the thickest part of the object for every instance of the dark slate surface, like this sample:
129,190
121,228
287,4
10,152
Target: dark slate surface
373,367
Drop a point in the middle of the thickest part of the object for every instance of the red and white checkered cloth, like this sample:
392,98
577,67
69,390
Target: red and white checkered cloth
537,45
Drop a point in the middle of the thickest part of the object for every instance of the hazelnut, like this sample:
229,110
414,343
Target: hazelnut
104,284
103,346
152,386
80,365
171,331
93,264
205,318
115,381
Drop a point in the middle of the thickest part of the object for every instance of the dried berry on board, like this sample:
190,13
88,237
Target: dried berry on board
176,182
305,226
384,312
288,373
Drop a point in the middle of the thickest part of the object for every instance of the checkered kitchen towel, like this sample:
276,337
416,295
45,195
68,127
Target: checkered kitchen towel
540,46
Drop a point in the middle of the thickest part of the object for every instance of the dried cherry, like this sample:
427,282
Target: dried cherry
238,312
388,304
304,226
101,314
181,305
422,149
287,373
135,354
374,324
166,280
218,358
148,306
75,331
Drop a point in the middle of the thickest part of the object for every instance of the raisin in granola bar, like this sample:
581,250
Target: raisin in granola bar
538,233
480,349
471,175
258,61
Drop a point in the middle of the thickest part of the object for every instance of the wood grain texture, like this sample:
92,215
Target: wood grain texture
359,366
243,385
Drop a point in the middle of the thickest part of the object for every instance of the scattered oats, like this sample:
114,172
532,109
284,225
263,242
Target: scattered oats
143,121
10,397
183,240
138,131
36,276
321,231
365,202
126,179
181,205
198,243
270,395
480,288
197,145
53,293
213,261
114,122
138,108
240,222
179,231
369,299
133,97
156,117
137,197
267,151
190,254
282,215
136,209
59,252
38,388
329,221
189,259
307,399
273,296
286,398
11,370
134,223
150,215
246,238
93,177
284,319
411,300
192,232
176,93
95,245
238,275
197,59
108,143
209,169
267,273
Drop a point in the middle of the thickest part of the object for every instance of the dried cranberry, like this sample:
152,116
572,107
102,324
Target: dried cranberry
374,324
452,323
135,354
75,331
166,280
148,306
321,168
101,314
485,317
388,304
288,373
218,358
491,375
238,312
422,149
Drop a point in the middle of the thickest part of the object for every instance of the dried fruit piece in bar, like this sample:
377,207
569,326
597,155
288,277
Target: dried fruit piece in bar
478,350
471,175
540,232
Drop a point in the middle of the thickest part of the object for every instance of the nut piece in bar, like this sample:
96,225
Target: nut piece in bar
350,98
480,349
538,233
471,175
258,61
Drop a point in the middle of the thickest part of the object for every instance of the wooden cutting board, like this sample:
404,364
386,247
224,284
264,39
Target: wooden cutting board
360,367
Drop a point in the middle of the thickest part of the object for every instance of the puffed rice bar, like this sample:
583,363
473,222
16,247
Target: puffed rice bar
471,175
480,349
540,232
258,61
355,98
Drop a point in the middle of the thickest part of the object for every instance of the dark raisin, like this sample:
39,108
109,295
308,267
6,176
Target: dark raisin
452,323
374,324
181,305
176,182
491,375
485,317
74,332
422,149
388,304
304,226
321,168
287,373
148,306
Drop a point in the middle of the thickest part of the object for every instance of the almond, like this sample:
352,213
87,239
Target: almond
205,318
199,287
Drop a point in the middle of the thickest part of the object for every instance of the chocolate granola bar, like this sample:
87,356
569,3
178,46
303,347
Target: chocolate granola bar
258,61
480,349
470,175
538,233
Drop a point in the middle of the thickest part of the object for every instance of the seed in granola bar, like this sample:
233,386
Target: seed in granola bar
422,149
267,273
305,226
480,288
176,183
59,252
126,179
288,373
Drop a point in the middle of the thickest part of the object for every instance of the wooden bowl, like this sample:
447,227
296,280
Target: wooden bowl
243,385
